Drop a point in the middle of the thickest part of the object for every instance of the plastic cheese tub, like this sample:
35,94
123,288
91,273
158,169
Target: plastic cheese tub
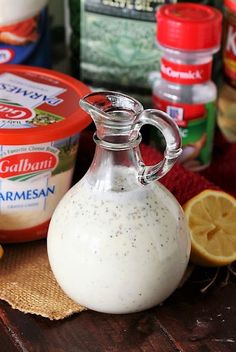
40,123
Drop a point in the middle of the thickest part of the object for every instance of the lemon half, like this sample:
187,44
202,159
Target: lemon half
211,217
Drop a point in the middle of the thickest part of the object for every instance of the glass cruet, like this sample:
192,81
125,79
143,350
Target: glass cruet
118,241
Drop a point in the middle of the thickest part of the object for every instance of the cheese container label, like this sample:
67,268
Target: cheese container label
40,124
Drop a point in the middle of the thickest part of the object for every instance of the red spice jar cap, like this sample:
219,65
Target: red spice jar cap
230,4
189,26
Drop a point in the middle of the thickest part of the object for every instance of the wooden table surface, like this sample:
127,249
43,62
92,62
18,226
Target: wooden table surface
189,321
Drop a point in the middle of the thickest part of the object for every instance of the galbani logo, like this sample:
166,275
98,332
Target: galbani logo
15,112
27,163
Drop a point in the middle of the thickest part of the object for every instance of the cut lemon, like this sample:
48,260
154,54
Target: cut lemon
211,217
1,251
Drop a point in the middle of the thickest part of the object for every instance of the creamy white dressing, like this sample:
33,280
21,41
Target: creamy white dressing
118,252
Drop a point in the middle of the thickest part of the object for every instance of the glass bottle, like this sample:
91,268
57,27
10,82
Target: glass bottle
118,241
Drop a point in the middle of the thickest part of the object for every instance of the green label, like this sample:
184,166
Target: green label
197,139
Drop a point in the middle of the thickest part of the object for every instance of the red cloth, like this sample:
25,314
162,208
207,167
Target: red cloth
185,184
182,183
222,171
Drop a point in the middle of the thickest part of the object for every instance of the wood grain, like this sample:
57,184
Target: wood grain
88,332
188,321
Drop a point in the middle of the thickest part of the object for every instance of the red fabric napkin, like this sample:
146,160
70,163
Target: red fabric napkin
222,171
182,183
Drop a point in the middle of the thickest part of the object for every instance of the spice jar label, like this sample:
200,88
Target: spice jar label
196,123
185,73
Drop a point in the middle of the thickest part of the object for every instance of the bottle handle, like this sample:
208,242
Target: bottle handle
166,125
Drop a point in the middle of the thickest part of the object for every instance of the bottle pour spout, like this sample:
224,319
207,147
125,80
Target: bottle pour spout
91,107
114,114
118,119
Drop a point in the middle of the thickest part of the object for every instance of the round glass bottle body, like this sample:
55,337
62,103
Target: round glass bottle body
118,241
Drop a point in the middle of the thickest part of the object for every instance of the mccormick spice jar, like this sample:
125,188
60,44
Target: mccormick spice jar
40,123
188,36
24,36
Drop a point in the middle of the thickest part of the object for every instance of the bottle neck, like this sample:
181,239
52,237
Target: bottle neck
113,169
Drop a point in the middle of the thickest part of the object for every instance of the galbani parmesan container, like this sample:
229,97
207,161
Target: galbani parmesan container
24,36
40,121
